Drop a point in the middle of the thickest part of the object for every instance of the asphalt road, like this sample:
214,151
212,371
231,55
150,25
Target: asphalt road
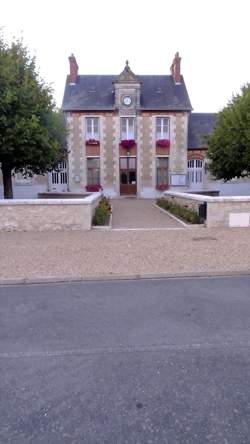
147,361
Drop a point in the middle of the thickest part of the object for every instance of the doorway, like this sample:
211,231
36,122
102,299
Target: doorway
128,175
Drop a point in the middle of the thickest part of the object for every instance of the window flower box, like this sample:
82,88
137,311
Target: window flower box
92,142
127,143
162,187
94,188
163,143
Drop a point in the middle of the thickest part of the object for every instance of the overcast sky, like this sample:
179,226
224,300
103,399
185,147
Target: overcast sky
212,37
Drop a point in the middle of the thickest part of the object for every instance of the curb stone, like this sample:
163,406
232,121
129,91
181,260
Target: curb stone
107,278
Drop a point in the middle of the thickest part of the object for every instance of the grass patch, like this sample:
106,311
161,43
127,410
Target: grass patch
186,214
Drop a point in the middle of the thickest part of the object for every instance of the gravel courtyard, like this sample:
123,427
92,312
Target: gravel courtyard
113,253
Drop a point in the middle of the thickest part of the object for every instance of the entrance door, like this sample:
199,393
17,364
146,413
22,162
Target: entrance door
128,175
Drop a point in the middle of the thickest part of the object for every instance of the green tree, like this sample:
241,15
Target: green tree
32,130
229,144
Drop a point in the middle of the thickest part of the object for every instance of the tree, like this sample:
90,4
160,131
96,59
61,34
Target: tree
229,144
32,130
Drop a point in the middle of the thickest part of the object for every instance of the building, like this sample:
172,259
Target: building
131,135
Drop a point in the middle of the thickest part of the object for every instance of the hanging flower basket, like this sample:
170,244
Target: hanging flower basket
93,188
163,143
92,142
162,187
127,143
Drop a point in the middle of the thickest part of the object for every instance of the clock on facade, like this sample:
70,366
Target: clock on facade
127,100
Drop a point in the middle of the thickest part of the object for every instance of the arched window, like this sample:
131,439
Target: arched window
195,171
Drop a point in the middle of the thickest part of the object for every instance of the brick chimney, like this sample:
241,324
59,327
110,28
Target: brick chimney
176,68
73,68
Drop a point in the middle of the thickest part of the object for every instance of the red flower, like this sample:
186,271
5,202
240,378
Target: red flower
92,142
93,188
162,187
128,143
163,143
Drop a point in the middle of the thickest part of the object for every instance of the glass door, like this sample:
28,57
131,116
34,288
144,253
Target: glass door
128,175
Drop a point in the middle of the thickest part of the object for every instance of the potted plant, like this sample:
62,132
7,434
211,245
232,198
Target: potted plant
163,143
92,142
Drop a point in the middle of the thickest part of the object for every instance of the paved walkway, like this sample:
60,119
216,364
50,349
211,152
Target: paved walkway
140,213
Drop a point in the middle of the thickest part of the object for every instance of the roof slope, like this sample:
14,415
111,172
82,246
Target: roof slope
96,92
200,124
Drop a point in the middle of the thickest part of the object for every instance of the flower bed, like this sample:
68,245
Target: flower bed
163,143
130,143
102,212
92,142
93,188
186,214
162,187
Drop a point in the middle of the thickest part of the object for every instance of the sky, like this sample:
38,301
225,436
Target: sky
212,38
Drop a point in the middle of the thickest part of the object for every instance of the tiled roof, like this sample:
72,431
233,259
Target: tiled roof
96,93
200,124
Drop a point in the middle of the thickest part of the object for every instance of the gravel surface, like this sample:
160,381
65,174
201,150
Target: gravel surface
112,253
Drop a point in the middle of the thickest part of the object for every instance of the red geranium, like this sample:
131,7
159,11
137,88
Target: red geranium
163,143
92,142
93,188
162,187
128,143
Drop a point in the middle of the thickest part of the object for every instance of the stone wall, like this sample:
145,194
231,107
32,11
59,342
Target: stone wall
48,214
227,211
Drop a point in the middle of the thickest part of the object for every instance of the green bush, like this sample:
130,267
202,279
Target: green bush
101,216
185,213
105,203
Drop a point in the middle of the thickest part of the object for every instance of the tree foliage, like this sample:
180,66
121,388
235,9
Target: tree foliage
229,144
32,130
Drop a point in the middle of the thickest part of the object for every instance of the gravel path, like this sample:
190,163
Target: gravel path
140,213
111,253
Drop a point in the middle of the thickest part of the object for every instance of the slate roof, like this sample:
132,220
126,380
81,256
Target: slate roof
96,93
199,125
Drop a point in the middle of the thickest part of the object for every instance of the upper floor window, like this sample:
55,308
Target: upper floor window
92,128
127,128
162,128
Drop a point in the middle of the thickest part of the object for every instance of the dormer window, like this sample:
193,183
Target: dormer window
92,128
127,128
162,128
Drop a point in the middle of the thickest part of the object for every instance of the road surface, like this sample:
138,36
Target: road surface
147,361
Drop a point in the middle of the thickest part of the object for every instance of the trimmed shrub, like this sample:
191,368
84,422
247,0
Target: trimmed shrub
102,212
101,216
184,213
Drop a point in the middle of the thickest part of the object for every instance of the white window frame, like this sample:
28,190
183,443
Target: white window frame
92,134
162,135
127,127
195,171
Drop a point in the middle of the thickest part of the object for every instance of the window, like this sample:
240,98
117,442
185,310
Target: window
127,128
161,171
195,171
92,128
93,170
162,128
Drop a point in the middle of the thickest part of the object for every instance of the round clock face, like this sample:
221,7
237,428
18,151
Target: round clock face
127,100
